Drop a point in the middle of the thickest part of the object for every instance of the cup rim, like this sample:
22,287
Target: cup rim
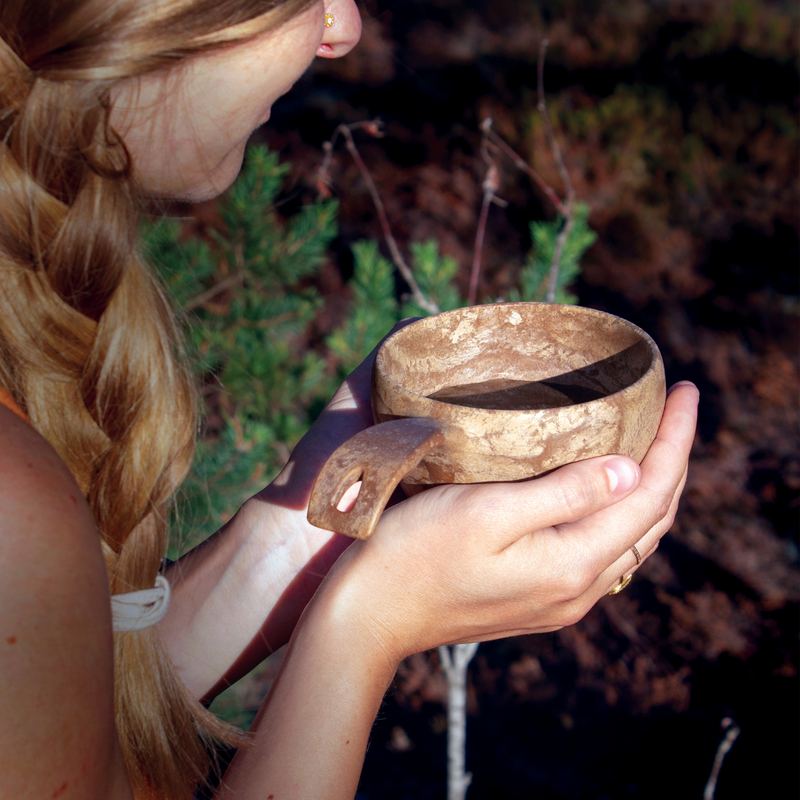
452,409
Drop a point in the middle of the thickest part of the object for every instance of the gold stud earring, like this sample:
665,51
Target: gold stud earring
329,20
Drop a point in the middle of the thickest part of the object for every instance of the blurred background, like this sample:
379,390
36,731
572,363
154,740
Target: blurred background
678,121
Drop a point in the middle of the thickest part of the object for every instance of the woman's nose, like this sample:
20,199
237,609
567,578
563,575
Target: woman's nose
342,28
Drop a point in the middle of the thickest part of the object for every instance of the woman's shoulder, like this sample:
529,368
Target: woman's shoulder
56,646
47,532
37,491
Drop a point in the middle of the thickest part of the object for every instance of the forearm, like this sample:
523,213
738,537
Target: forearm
312,732
236,597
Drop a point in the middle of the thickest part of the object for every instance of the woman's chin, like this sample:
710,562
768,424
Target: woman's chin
194,185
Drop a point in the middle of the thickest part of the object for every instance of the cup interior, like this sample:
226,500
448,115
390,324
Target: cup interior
518,356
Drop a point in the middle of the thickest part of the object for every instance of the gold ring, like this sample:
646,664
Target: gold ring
329,20
623,582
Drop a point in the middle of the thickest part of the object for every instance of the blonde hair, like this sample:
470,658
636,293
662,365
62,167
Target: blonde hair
89,347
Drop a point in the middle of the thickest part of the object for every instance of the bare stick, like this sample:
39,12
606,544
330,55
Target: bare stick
374,128
455,669
491,183
218,288
568,212
523,165
555,265
476,255
732,731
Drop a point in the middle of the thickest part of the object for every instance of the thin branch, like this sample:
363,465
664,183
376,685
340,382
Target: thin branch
374,128
455,662
472,297
523,165
568,211
218,288
732,731
555,265
549,133
491,183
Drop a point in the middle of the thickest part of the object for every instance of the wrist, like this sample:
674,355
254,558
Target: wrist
343,617
309,741
354,598
237,597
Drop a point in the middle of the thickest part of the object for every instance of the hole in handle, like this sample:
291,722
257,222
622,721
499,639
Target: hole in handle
379,458
350,497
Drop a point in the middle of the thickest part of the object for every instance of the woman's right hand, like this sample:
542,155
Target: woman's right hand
472,563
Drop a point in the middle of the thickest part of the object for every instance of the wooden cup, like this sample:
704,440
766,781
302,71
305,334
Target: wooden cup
490,393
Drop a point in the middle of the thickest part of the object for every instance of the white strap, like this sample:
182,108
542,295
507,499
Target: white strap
135,611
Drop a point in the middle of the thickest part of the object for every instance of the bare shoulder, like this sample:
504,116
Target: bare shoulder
43,516
56,646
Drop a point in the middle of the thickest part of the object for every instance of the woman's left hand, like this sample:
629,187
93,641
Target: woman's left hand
266,563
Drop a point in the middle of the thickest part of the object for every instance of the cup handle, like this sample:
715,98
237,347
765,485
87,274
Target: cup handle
380,457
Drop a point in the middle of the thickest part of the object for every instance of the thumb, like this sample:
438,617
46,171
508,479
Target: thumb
575,491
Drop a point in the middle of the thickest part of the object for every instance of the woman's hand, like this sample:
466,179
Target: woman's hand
237,597
457,563
471,563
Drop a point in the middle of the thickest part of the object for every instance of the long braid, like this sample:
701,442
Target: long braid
88,348
88,345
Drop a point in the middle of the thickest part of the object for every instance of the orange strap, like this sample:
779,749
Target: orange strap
8,401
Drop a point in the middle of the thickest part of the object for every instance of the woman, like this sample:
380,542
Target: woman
103,107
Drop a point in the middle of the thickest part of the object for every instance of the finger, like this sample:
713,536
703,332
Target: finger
628,564
598,494
664,467
677,428
651,506
625,567
564,495
594,551
625,519
575,578
587,557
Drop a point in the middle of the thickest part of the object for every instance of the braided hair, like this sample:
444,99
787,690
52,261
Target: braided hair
89,346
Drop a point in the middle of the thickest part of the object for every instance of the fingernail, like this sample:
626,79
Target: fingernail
621,475
677,385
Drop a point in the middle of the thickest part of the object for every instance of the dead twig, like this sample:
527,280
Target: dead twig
374,128
454,662
488,196
522,165
568,211
491,183
217,288
732,731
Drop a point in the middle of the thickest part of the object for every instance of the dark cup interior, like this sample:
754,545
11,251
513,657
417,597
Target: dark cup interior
518,356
